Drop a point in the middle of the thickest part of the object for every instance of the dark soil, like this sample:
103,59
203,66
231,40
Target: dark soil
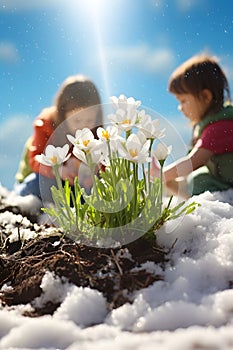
110,271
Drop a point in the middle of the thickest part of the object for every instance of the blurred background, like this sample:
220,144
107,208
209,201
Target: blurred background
124,46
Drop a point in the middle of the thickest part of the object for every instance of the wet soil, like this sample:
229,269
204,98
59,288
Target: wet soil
117,273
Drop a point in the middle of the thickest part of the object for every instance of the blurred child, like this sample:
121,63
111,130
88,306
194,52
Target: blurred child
202,90
71,111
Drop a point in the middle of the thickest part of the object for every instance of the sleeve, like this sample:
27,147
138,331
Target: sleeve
217,137
42,131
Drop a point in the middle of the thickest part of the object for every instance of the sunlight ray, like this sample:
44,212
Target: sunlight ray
95,9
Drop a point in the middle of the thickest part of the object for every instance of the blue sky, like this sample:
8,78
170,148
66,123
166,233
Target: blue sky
125,46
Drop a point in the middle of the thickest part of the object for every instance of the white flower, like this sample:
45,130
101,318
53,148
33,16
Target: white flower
136,148
54,155
149,127
162,151
96,154
84,139
124,103
126,112
125,120
111,135
86,147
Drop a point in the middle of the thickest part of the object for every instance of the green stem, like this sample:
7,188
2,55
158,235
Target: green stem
128,133
92,169
144,177
61,189
135,180
161,187
58,179
148,174
113,169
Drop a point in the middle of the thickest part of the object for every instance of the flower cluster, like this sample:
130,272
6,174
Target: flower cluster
122,197
134,147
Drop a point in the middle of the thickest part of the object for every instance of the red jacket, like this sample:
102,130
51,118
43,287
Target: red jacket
43,130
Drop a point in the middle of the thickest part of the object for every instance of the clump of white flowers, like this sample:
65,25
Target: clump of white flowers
124,203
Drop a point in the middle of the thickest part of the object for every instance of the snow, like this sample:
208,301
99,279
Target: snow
191,308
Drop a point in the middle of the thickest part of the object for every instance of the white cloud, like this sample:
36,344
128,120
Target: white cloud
143,57
8,52
186,5
20,126
157,4
181,5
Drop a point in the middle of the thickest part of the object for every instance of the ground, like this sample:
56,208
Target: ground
114,272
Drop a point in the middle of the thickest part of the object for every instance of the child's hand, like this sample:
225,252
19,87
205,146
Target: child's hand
155,169
85,178
70,169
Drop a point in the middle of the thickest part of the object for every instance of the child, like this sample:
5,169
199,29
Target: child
69,112
202,90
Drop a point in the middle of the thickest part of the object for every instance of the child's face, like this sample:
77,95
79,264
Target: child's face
191,106
81,118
